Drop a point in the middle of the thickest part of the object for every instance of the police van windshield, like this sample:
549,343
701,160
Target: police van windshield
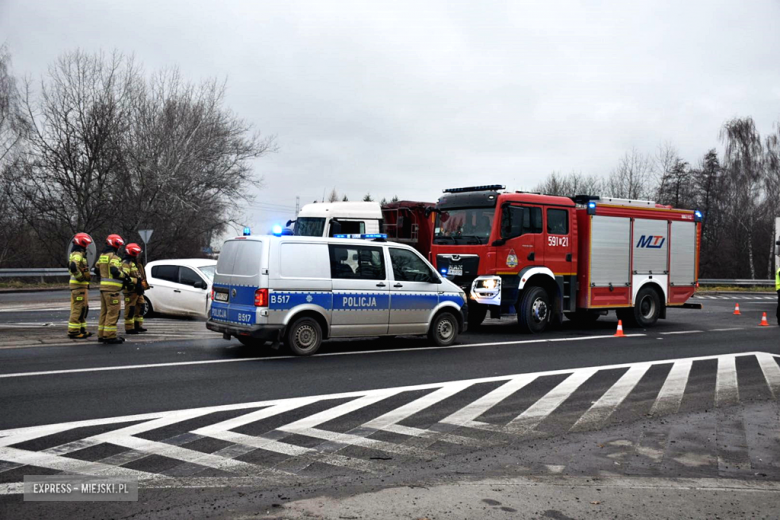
309,226
464,226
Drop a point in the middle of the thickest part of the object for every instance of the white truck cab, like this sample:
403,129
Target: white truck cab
329,219
301,290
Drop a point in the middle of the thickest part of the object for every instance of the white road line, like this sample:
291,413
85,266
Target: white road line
726,390
681,332
612,398
537,412
771,372
245,360
727,330
399,414
68,465
468,414
671,393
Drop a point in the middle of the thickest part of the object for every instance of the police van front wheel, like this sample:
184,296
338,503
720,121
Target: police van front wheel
304,337
444,329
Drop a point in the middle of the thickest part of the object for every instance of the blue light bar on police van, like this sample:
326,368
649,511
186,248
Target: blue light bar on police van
365,236
277,230
488,187
247,231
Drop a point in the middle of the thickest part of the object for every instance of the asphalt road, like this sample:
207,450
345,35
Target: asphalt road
46,379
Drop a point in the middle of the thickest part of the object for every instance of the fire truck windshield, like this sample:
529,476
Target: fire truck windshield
309,226
464,226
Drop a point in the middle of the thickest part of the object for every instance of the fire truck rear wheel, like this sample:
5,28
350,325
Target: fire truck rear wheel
535,310
647,308
477,314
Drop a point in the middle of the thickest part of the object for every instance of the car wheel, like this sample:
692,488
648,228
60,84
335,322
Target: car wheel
535,310
148,310
444,329
647,308
252,342
477,314
304,337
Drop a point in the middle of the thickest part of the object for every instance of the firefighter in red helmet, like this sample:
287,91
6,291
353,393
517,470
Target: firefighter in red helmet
79,287
133,289
112,279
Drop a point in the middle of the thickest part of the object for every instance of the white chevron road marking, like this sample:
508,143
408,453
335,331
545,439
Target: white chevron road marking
419,440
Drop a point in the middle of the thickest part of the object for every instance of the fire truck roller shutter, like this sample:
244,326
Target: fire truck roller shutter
651,257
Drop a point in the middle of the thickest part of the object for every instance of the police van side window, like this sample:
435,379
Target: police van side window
169,273
408,267
356,262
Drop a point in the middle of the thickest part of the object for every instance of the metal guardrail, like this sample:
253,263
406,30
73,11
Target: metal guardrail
33,272
745,282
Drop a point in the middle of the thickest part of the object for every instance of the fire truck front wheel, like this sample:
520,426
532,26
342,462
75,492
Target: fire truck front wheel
477,314
535,310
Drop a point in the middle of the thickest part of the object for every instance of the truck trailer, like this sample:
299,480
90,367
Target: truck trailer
544,257
410,222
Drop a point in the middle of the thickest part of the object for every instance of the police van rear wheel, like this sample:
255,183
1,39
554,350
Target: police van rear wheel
304,337
444,329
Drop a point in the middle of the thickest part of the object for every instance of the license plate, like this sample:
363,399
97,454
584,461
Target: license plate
221,296
455,270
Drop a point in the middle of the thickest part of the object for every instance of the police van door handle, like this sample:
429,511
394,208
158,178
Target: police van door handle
380,284
398,285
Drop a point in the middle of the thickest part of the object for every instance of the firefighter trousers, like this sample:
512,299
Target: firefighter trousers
139,311
110,307
79,308
132,310
778,308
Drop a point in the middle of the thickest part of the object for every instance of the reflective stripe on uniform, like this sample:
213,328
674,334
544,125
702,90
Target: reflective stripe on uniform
74,325
777,280
139,319
109,329
74,281
111,282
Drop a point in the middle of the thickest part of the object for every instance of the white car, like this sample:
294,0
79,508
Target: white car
179,287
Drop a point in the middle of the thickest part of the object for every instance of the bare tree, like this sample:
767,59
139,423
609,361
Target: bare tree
572,184
744,163
632,177
334,196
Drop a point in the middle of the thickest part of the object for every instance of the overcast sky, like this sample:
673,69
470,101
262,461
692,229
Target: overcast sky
409,97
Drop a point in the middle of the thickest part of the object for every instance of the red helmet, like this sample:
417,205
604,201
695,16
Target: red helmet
115,241
82,239
133,249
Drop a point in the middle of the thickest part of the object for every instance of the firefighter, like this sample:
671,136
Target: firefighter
79,287
140,302
133,289
112,279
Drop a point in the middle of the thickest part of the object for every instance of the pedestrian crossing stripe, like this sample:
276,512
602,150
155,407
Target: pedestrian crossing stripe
417,442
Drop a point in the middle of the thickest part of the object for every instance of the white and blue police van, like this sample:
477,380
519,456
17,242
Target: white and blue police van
301,290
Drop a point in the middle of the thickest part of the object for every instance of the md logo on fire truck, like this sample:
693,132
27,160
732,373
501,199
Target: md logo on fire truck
651,241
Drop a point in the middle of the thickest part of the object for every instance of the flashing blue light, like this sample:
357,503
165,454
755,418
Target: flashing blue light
591,208
277,230
247,231
698,216
443,271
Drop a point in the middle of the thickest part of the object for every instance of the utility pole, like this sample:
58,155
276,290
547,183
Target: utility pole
297,205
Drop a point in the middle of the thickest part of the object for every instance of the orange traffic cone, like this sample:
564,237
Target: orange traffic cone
736,311
619,333
764,323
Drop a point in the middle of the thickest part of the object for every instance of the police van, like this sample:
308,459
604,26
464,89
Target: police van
300,290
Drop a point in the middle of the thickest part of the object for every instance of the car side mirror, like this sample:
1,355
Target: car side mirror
199,285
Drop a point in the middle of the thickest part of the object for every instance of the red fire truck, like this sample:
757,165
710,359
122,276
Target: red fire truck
542,257
409,222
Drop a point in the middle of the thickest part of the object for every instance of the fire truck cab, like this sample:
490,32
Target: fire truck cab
543,257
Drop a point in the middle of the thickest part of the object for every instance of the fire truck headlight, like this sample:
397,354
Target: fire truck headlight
489,284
